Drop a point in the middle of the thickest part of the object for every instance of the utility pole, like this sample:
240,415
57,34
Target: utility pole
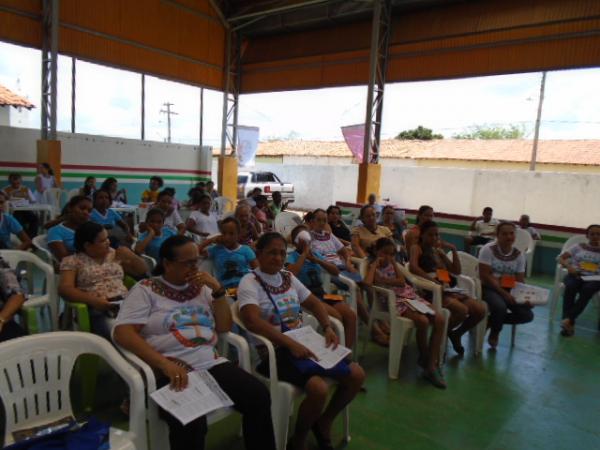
169,113
538,121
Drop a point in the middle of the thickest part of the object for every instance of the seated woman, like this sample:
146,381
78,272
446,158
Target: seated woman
411,237
109,218
88,188
365,235
230,259
172,218
171,321
150,195
43,180
12,299
262,213
9,225
580,260
61,237
384,271
337,225
248,230
389,220
270,301
19,194
117,197
203,222
149,242
428,260
308,267
500,266
94,275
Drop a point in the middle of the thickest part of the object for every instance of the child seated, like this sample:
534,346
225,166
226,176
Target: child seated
308,267
230,259
150,195
9,225
172,218
110,219
149,242
384,271
203,222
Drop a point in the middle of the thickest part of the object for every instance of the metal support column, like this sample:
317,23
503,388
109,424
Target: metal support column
380,38
201,140
50,17
143,111
538,122
73,92
231,93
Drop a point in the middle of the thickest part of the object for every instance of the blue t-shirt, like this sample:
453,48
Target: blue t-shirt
231,265
310,273
153,248
8,226
60,233
109,219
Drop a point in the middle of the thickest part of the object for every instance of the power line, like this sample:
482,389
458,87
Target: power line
169,113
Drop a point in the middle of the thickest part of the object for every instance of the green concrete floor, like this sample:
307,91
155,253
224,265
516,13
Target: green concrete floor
541,394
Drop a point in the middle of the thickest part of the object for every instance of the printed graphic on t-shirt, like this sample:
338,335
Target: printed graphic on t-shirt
191,325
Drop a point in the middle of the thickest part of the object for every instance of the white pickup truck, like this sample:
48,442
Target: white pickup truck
267,181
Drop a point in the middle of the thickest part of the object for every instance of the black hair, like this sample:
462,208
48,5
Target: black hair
87,189
167,251
201,184
363,209
75,200
317,211
588,229
308,217
47,167
488,208
426,226
267,238
297,229
157,179
86,234
504,224
260,199
382,243
164,192
171,190
95,196
232,220
422,210
211,182
155,212
330,208
204,196
106,183
14,176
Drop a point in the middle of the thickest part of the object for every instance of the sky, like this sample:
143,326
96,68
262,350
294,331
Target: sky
108,102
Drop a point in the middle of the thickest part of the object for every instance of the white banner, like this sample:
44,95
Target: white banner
247,145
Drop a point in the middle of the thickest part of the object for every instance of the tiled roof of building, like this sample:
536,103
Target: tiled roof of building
513,150
9,98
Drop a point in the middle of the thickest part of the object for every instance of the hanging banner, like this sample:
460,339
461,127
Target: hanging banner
354,135
247,145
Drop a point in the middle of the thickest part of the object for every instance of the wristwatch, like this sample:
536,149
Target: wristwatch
218,293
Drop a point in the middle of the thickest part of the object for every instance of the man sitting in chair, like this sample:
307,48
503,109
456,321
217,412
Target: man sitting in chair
483,229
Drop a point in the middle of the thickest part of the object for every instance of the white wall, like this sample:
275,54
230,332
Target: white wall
5,115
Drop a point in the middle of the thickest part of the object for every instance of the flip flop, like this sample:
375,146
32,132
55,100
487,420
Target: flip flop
456,343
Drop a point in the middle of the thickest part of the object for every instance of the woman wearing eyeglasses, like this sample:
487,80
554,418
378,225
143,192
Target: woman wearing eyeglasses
172,322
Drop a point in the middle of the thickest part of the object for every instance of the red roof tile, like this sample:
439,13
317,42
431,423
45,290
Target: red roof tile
9,98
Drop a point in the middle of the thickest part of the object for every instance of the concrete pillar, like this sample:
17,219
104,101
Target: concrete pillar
228,174
369,181
50,152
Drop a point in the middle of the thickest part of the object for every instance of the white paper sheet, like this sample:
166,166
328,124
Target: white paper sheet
527,293
590,277
421,307
327,356
455,290
202,396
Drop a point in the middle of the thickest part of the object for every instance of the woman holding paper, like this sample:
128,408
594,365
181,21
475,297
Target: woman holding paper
171,321
501,266
270,301
583,280
428,260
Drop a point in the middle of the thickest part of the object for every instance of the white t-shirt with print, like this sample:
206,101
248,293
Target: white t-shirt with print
173,219
205,223
586,258
486,228
287,292
327,245
177,321
501,264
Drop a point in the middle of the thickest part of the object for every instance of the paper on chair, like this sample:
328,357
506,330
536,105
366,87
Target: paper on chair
327,356
420,306
527,293
455,290
590,277
202,396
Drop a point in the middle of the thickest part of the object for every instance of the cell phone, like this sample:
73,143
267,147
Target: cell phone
116,298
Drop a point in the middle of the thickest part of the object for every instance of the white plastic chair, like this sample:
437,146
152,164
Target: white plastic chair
526,245
285,222
222,205
49,298
282,393
36,373
158,430
53,197
150,262
41,243
72,193
560,273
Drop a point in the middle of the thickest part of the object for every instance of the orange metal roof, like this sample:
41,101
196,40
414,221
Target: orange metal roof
586,152
9,98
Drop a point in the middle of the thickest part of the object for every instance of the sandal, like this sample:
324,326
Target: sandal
456,343
567,328
380,339
324,443
493,339
384,327
436,378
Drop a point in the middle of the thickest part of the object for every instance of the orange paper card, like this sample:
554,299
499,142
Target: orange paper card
333,297
588,266
443,275
508,281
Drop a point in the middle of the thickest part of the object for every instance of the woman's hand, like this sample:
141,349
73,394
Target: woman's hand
508,297
204,279
101,303
176,374
331,339
447,246
300,351
573,270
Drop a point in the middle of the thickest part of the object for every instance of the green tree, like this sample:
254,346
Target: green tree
492,132
419,134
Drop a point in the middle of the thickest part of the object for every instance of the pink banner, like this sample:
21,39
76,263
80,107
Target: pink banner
354,135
